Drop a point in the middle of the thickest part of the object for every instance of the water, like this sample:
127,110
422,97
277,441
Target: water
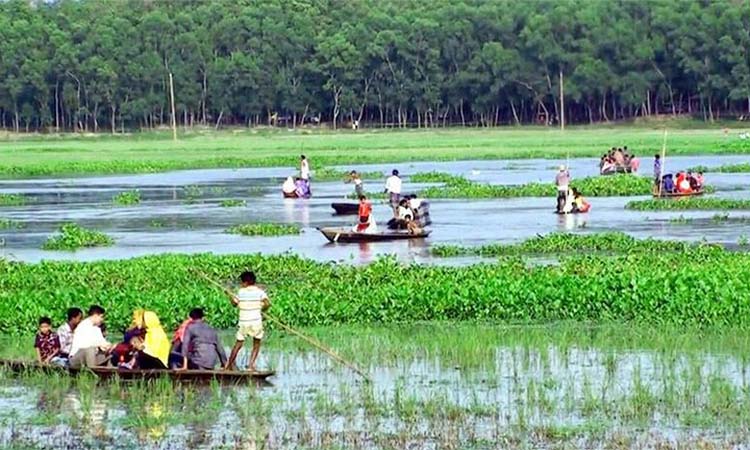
165,222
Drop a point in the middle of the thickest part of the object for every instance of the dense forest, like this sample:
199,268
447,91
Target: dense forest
104,65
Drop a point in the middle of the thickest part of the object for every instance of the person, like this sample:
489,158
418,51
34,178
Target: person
393,189
124,351
657,168
700,179
200,346
693,181
354,178
46,343
250,300
633,163
668,185
89,347
299,188
569,204
619,158
366,222
304,173
155,354
404,218
65,333
288,188
562,180
579,202
683,183
175,352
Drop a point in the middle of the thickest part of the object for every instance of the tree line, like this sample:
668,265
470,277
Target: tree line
96,65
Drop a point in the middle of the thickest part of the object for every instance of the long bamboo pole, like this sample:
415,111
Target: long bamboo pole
663,161
174,117
314,342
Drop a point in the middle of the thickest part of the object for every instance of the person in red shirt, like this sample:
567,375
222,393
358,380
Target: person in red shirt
364,212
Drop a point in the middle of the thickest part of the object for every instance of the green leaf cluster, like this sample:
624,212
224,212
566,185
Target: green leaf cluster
264,229
73,237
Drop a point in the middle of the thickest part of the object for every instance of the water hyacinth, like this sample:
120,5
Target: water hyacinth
264,229
12,200
72,237
688,203
127,198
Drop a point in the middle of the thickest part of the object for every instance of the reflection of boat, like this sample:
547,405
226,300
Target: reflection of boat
122,374
345,234
345,209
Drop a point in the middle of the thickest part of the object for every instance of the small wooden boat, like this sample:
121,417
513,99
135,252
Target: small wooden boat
289,195
345,234
615,170
106,373
345,209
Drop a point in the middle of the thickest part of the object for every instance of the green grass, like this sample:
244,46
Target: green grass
331,174
232,203
688,203
127,198
73,237
12,200
727,168
155,152
264,229
7,224
455,186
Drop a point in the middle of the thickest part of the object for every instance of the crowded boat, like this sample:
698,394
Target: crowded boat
618,160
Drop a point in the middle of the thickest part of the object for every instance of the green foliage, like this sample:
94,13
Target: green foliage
8,224
232,203
264,229
331,174
192,193
681,220
460,187
12,200
702,286
688,203
727,168
72,237
127,198
566,243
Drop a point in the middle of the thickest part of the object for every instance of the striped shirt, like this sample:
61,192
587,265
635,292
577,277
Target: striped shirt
250,302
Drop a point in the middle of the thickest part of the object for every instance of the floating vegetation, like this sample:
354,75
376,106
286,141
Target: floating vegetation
726,168
264,229
12,200
7,224
72,237
331,174
681,220
566,243
232,203
688,203
127,198
460,187
192,193
719,218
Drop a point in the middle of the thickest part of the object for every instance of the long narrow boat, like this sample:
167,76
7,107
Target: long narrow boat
345,209
345,234
105,373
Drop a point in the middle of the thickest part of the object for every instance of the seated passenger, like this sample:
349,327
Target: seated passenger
300,187
175,351
155,352
123,352
668,185
89,347
366,222
579,202
288,188
65,335
46,343
683,183
700,179
404,219
201,348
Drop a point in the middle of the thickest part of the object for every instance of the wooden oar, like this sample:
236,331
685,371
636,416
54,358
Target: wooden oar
314,342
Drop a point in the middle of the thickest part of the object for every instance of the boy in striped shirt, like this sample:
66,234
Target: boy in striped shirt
251,301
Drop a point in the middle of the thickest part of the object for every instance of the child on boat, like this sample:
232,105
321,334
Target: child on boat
366,222
251,301
47,344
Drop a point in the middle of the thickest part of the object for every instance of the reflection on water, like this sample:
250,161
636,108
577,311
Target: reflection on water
170,220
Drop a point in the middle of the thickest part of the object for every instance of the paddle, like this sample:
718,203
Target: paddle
314,342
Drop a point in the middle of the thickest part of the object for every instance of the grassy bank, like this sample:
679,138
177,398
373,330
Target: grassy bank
155,152
688,203
672,288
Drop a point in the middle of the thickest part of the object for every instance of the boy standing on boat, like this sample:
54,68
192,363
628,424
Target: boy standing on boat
251,302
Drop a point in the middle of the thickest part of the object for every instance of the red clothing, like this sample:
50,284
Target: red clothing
365,209
48,344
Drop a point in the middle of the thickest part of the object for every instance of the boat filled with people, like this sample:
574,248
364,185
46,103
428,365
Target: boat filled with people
683,184
618,160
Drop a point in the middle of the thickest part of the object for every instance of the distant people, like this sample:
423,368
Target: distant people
700,180
46,342
580,205
65,333
393,189
354,178
201,348
304,173
89,347
619,157
562,181
155,354
300,188
683,183
366,222
288,188
657,168
251,301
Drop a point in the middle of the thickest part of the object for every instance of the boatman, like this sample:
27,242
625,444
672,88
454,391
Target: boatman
562,181
393,189
251,301
304,173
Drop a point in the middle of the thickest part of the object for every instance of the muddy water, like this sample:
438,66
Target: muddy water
168,221
529,395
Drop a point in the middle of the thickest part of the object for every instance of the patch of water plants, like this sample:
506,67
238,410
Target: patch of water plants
566,243
659,287
331,174
232,203
688,203
72,236
127,198
8,224
455,186
264,229
12,200
726,168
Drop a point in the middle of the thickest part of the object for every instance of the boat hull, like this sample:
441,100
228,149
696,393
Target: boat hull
346,235
345,209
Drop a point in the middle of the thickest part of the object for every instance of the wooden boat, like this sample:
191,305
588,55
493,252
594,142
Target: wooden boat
615,170
345,209
676,194
290,195
345,234
105,373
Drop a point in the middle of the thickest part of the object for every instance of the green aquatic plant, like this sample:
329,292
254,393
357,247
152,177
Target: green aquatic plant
688,203
12,199
127,198
726,168
720,218
8,224
264,229
232,203
192,193
680,220
331,174
72,237
744,241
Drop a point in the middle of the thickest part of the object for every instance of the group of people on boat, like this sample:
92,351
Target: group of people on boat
409,212
569,199
299,186
618,160
681,183
195,345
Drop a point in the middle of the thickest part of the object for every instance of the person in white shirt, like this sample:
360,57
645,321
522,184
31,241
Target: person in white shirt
89,347
393,188
304,174
65,332
251,301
